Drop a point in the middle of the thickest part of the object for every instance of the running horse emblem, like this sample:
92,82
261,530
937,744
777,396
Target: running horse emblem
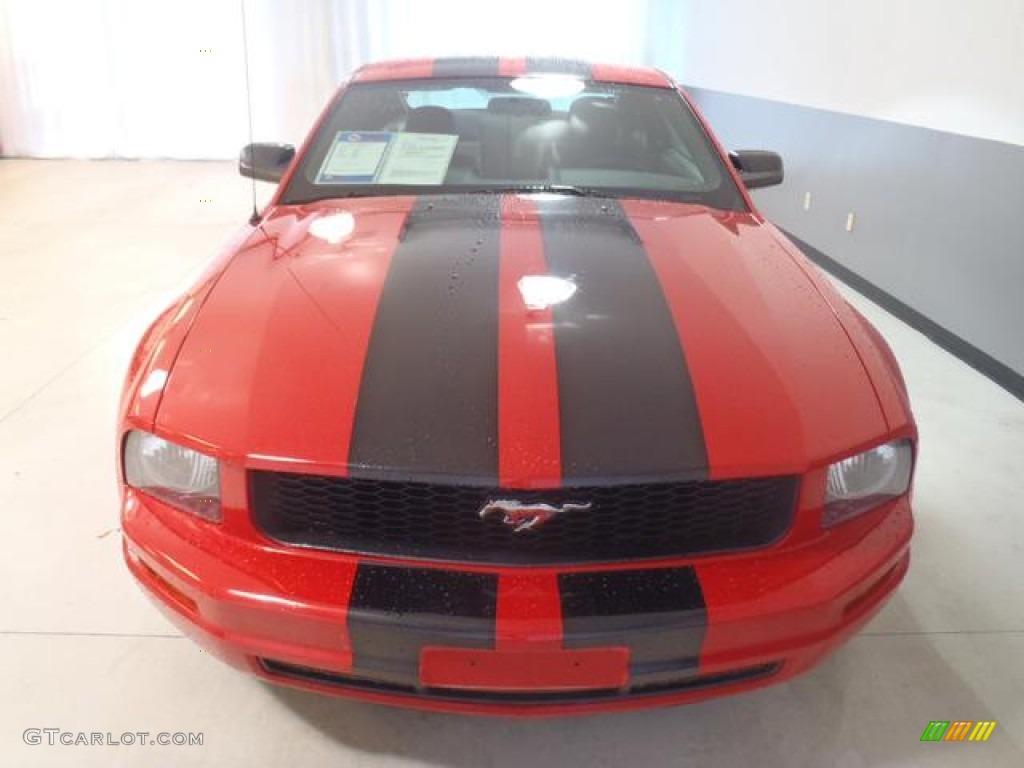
527,517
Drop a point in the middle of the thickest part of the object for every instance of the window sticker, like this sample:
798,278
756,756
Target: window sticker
382,157
354,158
418,158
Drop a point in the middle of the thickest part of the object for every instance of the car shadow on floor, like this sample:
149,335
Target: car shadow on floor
869,703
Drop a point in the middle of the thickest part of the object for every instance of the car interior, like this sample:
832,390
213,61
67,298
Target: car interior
519,138
622,139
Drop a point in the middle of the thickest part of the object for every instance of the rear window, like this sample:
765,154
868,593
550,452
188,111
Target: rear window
528,133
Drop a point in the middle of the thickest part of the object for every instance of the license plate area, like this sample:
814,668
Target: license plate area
524,671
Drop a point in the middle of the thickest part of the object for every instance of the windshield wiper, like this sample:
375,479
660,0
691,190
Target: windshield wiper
571,190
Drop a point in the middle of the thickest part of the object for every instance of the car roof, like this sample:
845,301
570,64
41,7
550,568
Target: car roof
493,66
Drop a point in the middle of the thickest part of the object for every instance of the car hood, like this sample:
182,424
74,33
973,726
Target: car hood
398,338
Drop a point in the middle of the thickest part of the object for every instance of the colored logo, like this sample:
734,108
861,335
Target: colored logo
526,517
958,730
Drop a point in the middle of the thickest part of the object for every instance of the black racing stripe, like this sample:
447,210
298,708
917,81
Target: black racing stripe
659,614
626,399
540,64
394,612
468,66
424,592
428,400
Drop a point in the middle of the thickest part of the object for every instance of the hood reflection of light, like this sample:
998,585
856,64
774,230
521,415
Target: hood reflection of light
545,291
333,228
154,383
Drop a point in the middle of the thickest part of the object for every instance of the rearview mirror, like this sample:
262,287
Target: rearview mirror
265,162
757,167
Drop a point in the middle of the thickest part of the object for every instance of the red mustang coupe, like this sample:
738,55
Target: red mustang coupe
511,402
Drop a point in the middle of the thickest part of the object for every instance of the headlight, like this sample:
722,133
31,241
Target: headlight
172,473
864,481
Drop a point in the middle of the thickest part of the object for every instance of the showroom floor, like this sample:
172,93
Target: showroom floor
90,250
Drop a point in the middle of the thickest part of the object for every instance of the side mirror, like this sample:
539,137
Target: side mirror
265,162
757,167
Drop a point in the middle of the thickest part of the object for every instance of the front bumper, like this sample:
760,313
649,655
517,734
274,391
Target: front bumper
498,640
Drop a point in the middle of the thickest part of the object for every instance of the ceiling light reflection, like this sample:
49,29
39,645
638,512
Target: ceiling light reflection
545,291
333,228
154,383
549,86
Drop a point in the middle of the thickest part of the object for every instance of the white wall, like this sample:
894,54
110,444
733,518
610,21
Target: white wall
131,78
600,30
151,78
952,65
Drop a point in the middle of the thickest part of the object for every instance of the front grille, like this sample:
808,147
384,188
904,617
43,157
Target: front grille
284,670
442,522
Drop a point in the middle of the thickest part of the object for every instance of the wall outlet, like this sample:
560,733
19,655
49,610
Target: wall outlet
851,220
807,201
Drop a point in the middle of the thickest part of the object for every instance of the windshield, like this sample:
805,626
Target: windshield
536,133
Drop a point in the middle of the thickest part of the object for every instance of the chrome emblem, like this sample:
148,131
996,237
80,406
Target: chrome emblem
526,517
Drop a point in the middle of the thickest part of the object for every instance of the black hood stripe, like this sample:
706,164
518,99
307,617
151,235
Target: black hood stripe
469,66
627,402
428,400
541,65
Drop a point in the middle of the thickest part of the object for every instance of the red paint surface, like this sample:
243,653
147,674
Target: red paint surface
512,67
613,73
529,452
271,371
401,69
777,384
529,612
